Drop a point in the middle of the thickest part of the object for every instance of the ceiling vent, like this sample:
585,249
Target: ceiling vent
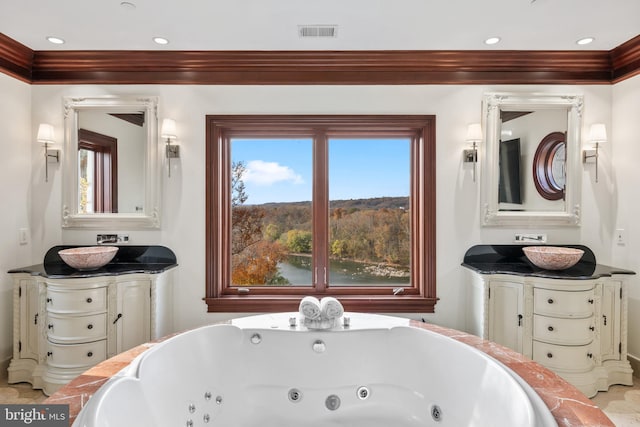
305,31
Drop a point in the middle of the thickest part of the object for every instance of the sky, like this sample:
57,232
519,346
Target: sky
280,170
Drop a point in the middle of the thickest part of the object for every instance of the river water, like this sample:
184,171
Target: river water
297,269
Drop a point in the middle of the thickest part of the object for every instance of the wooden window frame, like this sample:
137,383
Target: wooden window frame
105,178
419,297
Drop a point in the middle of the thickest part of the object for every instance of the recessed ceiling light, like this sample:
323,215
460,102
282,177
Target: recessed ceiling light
585,40
161,40
492,40
55,40
127,5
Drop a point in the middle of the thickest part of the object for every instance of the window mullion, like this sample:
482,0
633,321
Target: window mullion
320,211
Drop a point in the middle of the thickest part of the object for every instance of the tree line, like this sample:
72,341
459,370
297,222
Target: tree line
375,230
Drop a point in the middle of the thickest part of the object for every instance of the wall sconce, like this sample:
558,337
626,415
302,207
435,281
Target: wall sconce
474,136
597,135
45,136
168,132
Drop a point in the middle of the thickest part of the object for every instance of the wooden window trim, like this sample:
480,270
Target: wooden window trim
105,149
219,129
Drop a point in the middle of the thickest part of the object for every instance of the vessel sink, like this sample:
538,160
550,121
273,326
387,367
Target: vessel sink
553,257
88,257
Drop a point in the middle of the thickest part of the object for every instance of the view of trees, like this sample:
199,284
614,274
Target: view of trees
375,230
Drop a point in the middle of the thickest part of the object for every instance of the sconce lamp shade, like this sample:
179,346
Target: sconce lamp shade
598,133
474,132
45,134
168,129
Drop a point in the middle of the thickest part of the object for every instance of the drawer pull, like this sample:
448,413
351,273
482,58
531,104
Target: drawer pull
90,354
590,355
49,354
592,328
89,326
550,328
50,326
49,300
549,355
590,300
89,300
550,300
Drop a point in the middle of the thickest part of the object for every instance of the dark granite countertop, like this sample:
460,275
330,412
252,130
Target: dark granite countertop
509,259
129,259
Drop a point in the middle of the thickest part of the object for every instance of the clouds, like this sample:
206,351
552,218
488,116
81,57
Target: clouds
259,172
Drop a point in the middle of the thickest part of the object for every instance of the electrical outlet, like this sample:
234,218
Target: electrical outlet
621,236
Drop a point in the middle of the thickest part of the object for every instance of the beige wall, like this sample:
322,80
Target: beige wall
458,214
625,206
16,146
37,204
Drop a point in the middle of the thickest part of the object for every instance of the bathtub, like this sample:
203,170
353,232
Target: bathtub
261,371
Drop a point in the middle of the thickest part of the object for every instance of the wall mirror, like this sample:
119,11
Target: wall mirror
531,159
111,171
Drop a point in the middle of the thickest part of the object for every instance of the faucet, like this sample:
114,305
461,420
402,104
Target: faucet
102,239
320,314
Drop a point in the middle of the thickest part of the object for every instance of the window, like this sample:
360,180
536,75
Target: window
320,205
97,172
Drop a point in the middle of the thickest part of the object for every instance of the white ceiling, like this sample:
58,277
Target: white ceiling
362,24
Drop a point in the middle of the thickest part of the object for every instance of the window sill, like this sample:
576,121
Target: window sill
367,304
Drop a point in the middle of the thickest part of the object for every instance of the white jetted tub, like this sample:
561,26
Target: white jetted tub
260,371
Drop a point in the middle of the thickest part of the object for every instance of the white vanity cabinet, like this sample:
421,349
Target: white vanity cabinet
506,314
64,326
577,328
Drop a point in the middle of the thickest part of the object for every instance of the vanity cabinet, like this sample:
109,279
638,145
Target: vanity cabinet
64,326
506,314
132,314
577,328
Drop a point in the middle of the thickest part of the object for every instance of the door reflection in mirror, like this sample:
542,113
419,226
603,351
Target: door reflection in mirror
111,150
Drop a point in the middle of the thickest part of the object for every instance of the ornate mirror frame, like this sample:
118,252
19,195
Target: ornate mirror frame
491,106
149,218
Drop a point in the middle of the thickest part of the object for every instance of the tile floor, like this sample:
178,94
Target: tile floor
620,403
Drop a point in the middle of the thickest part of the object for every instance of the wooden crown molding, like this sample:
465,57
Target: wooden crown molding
16,59
625,60
320,67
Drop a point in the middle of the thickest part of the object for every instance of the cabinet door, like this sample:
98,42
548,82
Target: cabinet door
133,317
30,318
506,314
610,321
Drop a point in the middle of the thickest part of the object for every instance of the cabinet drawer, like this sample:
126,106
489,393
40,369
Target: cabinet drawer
558,330
563,304
76,329
568,359
76,355
77,301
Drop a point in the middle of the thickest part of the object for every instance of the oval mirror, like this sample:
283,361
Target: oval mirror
111,167
549,174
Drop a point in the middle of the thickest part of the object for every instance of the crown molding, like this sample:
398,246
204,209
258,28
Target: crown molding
16,59
319,67
625,60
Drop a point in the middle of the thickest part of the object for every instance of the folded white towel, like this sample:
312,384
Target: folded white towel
310,308
331,308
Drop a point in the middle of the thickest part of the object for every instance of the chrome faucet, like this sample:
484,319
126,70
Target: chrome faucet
104,239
